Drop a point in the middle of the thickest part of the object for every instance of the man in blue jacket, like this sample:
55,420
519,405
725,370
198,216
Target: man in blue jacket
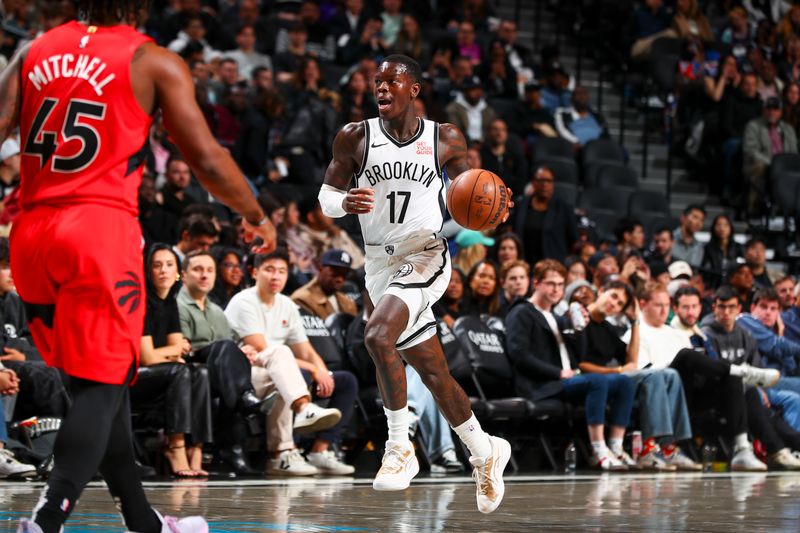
764,324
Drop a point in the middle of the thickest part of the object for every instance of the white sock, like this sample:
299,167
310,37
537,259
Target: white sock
740,441
398,425
615,445
737,370
477,440
599,447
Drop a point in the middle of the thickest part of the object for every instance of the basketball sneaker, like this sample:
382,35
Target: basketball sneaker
488,475
398,467
190,524
28,526
653,459
605,460
745,460
673,455
315,418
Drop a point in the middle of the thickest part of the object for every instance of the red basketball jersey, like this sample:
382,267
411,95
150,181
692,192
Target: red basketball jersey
81,129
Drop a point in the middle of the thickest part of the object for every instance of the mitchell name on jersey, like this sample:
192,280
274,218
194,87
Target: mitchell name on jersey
82,66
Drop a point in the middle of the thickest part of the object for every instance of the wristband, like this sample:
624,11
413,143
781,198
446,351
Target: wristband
260,223
331,200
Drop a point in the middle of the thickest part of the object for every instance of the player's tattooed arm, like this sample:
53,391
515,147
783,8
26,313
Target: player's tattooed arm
11,93
452,150
348,153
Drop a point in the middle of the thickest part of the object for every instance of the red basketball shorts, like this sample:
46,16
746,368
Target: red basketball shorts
79,271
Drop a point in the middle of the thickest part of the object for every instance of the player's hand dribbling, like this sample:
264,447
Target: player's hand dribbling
359,201
510,205
267,233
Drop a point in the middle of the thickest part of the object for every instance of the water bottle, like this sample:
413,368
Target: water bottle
709,453
636,445
570,458
576,316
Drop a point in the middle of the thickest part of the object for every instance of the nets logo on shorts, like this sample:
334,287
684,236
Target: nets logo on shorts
133,291
403,271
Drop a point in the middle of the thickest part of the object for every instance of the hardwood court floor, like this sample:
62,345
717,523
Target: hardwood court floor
625,503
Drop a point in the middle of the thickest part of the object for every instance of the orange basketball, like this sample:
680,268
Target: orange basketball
477,199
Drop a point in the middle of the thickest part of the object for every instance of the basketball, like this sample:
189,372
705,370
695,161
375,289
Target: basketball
477,199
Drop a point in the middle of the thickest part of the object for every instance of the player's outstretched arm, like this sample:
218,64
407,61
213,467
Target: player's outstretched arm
10,95
215,168
334,198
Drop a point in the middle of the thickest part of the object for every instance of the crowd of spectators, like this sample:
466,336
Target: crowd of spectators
736,86
228,335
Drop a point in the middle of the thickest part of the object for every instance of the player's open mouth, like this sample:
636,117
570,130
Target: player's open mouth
384,104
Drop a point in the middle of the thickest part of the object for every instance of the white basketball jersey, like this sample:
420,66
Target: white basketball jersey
408,183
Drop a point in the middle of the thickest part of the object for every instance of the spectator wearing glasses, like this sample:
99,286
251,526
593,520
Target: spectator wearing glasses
231,276
546,224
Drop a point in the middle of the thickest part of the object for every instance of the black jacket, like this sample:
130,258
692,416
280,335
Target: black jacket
534,352
560,227
16,334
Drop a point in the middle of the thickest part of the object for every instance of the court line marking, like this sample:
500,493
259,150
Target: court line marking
448,480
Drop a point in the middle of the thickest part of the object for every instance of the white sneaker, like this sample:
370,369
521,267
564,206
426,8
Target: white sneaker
11,468
623,457
327,463
607,461
681,461
398,467
654,460
784,459
760,377
28,526
290,463
190,524
314,418
745,460
488,475
448,463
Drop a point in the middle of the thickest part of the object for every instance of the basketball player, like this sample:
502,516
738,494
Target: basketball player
84,96
397,160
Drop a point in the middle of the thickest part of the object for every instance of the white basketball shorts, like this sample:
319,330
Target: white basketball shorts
417,271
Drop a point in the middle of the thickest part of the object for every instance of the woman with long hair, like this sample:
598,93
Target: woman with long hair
358,102
791,105
164,378
410,42
450,307
721,251
508,247
230,279
483,289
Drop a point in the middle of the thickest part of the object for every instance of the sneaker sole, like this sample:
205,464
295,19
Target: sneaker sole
388,486
502,462
319,424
